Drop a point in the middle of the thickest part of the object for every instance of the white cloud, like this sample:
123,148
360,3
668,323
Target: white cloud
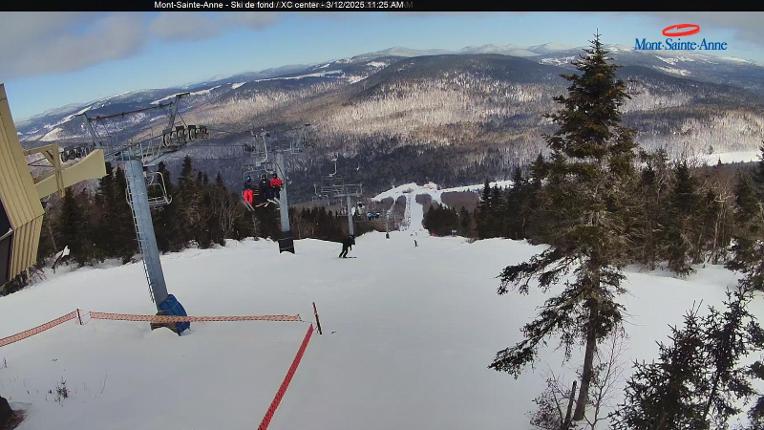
195,26
41,43
182,26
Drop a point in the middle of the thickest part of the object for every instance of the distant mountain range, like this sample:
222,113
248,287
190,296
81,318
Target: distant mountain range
453,117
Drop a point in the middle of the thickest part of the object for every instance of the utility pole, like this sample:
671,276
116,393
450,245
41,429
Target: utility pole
387,224
334,188
286,242
351,229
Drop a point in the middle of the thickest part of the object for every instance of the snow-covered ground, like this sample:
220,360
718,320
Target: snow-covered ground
432,190
408,335
730,157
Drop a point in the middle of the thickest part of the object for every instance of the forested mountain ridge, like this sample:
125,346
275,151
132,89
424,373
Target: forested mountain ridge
451,117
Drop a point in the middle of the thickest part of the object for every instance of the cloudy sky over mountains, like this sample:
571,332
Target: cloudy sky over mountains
52,59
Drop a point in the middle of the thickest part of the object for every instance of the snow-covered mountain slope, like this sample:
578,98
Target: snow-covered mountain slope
452,117
433,190
408,335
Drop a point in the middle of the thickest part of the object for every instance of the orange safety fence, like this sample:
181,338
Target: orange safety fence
174,319
170,319
285,383
39,329
75,314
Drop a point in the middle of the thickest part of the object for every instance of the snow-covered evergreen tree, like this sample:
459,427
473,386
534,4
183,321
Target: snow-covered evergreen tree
589,186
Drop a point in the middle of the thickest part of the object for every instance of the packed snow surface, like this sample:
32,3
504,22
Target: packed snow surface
408,335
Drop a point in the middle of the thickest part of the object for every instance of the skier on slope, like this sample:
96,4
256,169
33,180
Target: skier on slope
347,244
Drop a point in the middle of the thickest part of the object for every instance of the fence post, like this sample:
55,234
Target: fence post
318,322
79,317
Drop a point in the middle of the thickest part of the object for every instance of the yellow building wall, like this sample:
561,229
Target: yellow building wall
18,193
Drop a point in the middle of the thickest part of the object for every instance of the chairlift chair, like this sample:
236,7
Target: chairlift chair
170,139
192,132
180,134
156,188
254,172
159,197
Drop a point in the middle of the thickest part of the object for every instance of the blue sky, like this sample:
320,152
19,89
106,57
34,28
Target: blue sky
52,60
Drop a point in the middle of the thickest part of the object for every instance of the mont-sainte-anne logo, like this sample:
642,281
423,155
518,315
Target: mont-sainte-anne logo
674,40
677,30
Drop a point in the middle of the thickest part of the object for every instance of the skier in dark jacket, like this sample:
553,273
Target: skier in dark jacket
265,188
248,183
347,244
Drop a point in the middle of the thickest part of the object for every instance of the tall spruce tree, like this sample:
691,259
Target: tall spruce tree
748,245
590,181
72,226
729,337
758,175
122,225
647,228
104,207
748,249
498,212
188,201
537,204
166,218
756,414
485,216
516,210
698,381
668,394
465,222
681,221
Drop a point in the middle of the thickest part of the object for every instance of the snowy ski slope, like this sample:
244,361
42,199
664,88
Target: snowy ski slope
408,335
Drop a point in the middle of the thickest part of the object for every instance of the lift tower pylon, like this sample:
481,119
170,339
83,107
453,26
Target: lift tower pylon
134,156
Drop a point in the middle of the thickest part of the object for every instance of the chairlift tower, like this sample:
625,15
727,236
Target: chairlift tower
334,187
134,156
